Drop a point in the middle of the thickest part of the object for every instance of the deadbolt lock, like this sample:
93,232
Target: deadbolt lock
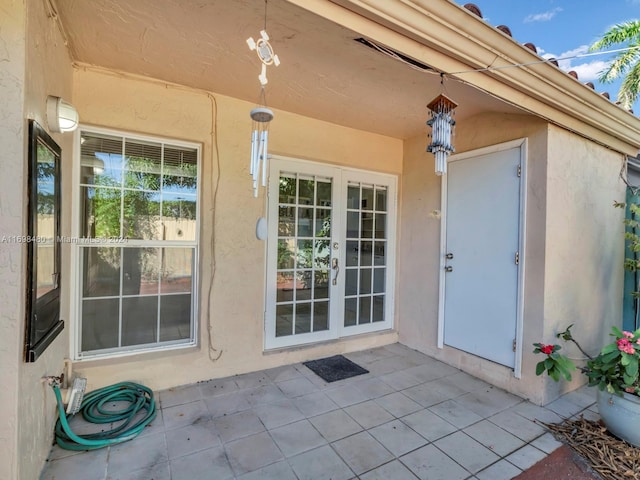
449,256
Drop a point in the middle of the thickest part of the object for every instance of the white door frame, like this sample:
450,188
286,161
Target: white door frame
341,176
522,144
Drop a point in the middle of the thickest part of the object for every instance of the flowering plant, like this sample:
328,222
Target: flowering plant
615,368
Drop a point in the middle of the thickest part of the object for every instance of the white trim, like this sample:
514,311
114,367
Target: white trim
340,177
522,144
522,237
76,260
443,243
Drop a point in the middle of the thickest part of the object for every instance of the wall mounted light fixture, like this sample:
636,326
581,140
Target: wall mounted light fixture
61,115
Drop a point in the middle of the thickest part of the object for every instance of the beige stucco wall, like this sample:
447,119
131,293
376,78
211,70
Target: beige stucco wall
237,299
585,243
12,128
573,244
36,65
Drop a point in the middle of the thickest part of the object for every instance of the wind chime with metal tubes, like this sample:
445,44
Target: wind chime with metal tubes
441,122
261,114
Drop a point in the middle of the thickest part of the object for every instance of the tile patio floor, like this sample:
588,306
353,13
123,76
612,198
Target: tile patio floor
410,417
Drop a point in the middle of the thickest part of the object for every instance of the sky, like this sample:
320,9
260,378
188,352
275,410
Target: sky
562,28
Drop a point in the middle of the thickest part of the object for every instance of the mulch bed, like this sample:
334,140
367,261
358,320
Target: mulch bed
611,458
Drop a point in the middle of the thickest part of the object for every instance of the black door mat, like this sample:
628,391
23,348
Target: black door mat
335,368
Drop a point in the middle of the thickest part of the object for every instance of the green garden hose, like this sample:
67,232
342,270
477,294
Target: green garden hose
138,398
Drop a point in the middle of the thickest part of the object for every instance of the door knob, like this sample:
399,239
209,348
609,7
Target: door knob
449,256
448,268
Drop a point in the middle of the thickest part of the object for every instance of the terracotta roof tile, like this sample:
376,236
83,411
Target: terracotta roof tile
473,8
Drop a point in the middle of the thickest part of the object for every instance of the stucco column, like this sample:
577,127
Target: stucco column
12,220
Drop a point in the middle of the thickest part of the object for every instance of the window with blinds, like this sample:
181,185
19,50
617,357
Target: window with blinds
138,243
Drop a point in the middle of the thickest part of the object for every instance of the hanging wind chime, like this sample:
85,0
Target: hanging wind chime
441,122
261,115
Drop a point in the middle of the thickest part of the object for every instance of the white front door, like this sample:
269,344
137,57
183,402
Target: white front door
482,258
330,252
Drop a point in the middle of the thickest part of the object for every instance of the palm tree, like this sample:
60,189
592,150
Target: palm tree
626,63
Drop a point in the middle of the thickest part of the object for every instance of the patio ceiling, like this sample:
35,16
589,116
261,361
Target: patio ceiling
324,73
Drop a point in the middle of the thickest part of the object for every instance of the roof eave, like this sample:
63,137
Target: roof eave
451,39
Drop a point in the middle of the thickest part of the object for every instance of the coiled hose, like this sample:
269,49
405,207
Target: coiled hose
93,410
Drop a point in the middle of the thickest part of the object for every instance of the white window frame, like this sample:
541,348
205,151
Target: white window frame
76,257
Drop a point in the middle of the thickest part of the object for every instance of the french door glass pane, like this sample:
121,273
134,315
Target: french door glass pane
365,259
302,267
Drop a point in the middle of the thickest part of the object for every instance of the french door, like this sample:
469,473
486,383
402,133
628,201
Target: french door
330,252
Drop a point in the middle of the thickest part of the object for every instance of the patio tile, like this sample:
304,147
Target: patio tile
400,380
185,414
517,425
275,471
399,349
398,404
362,452
430,371
210,463
426,395
501,470
90,465
590,415
534,412
583,397
347,395
428,424
493,437
488,402
547,443
281,374
139,453
397,363
369,414
238,425
335,425
455,414
380,367
227,404
179,395
564,407
398,438
251,453
320,464
466,451
252,380
526,457
297,387
429,463
374,388
220,386
297,438
314,404
156,425
159,471
389,471
467,382
192,438
275,415
264,394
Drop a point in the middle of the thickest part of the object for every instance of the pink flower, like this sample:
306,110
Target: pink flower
624,345
627,334
629,389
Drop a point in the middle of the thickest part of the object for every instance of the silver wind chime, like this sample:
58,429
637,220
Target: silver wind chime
261,115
